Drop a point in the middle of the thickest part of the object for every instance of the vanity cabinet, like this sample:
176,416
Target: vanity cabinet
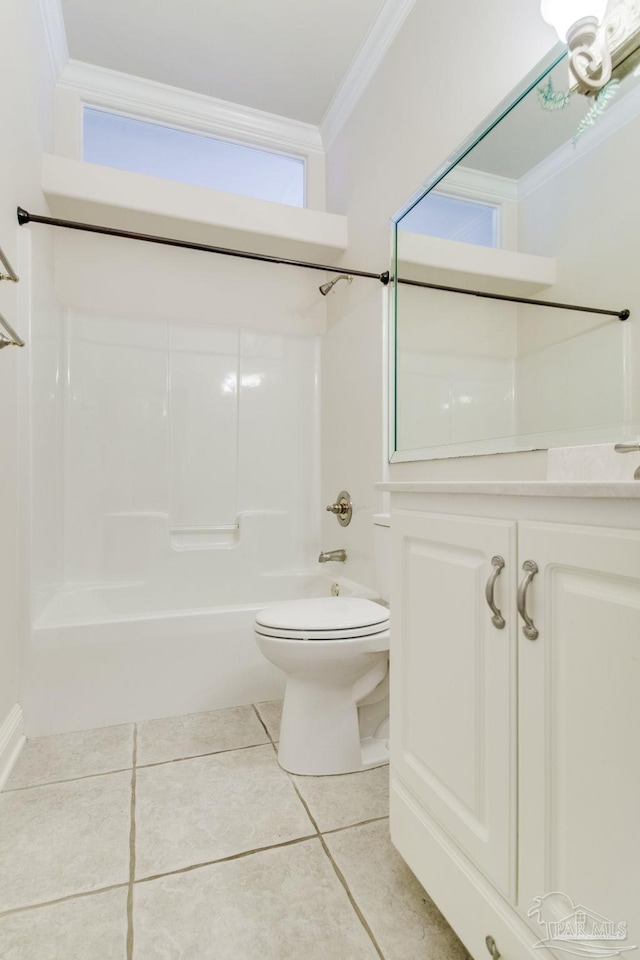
514,758
579,706
455,706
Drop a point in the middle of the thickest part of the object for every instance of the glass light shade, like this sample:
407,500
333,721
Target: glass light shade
562,14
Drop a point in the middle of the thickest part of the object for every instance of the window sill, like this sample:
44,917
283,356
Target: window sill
489,269
131,201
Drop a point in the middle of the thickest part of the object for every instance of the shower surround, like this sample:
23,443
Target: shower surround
188,455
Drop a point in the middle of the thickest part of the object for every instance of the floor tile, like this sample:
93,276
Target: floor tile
198,734
64,838
271,714
346,799
195,811
89,928
281,904
66,756
404,920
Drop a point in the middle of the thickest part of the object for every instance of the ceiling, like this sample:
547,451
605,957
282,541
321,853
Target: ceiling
287,57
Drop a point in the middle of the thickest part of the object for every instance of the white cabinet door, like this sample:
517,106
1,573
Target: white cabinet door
579,731
453,683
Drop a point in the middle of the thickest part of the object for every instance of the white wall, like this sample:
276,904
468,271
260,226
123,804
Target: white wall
447,69
25,118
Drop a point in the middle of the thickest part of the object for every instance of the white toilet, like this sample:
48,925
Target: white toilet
335,653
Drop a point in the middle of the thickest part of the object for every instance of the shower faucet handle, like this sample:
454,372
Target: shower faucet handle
342,508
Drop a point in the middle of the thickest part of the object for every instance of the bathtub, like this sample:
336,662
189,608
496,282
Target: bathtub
114,653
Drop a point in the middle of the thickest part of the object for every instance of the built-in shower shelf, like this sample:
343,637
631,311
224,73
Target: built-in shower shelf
488,269
91,193
204,538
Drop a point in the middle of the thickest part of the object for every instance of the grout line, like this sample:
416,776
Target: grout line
350,826
140,766
132,847
273,742
198,756
234,856
262,723
237,856
158,763
71,896
304,804
358,912
50,783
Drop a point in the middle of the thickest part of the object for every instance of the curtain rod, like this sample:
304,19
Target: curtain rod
25,217
620,314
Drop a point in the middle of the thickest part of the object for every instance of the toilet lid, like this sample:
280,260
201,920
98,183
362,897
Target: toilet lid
323,619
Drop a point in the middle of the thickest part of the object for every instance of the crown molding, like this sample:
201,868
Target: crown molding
150,100
367,60
55,35
479,185
615,117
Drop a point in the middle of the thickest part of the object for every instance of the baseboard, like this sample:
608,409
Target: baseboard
12,740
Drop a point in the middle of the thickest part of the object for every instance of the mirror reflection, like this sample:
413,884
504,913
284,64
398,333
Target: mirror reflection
544,207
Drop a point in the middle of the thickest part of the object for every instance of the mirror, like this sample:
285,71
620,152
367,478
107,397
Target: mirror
543,204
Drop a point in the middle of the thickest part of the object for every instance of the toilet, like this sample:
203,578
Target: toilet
334,652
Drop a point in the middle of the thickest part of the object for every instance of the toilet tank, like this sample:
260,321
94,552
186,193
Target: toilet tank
382,552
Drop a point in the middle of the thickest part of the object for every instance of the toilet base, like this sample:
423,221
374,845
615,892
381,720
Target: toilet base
328,729
375,753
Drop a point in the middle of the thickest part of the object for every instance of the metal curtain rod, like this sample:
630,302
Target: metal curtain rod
25,217
620,314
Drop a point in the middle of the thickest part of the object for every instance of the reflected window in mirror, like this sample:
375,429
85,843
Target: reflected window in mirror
455,218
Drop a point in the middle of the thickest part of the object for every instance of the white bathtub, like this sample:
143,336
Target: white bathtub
115,653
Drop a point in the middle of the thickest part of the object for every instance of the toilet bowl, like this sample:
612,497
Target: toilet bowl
334,652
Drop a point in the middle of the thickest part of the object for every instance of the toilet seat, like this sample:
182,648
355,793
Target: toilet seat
327,618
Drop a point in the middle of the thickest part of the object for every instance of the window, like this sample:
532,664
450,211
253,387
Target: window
159,151
453,218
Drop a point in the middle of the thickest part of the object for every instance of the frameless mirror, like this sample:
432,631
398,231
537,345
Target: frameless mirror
542,205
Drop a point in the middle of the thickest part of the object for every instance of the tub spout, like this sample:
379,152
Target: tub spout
338,555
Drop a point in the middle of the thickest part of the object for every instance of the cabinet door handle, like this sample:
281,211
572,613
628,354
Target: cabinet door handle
497,619
492,947
529,629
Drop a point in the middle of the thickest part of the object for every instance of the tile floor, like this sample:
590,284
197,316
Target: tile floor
183,839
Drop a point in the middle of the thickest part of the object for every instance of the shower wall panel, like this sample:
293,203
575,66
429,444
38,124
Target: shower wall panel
179,436
203,425
116,432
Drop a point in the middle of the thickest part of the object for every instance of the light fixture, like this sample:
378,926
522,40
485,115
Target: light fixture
577,23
